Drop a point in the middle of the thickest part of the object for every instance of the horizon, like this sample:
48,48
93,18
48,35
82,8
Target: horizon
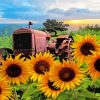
13,27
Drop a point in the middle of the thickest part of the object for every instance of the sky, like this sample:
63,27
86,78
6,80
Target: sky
37,11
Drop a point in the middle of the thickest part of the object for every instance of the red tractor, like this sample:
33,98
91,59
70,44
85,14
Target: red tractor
61,46
28,41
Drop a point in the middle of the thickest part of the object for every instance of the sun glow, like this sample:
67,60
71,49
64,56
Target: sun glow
83,21
75,21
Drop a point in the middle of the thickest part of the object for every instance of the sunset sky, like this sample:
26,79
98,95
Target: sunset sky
83,21
37,11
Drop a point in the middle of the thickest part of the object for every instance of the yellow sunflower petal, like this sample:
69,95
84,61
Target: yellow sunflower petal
5,90
41,64
84,46
15,70
47,87
94,65
66,75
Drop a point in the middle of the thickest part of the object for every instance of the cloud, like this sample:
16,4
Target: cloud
14,21
86,4
75,13
39,11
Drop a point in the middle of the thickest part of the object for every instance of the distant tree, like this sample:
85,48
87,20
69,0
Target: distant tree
93,27
53,24
97,27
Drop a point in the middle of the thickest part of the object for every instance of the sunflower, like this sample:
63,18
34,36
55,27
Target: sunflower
5,90
40,64
94,65
66,75
14,70
46,86
83,47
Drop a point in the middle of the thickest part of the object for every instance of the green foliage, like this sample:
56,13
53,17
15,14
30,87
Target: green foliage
83,94
77,95
91,27
85,31
97,83
29,91
55,25
6,41
65,96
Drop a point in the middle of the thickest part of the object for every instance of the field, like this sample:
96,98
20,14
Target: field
79,86
6,40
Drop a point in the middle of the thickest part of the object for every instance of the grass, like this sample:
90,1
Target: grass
6,41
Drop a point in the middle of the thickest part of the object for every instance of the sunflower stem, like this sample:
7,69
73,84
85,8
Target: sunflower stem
75,96
15,95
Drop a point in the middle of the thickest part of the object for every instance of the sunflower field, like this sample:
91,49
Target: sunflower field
45,77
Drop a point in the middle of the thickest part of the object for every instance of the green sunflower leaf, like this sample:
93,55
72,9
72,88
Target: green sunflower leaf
31,91
97,83
66,95
87,82
86,93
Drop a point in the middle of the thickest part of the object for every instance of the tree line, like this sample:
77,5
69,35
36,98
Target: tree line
93,27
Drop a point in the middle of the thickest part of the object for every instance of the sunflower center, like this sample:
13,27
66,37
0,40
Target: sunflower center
50,84
13,70
41,67
86,47
66,74
97,65
0,90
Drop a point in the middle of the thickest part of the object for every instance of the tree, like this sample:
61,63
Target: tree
93,27
52,24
